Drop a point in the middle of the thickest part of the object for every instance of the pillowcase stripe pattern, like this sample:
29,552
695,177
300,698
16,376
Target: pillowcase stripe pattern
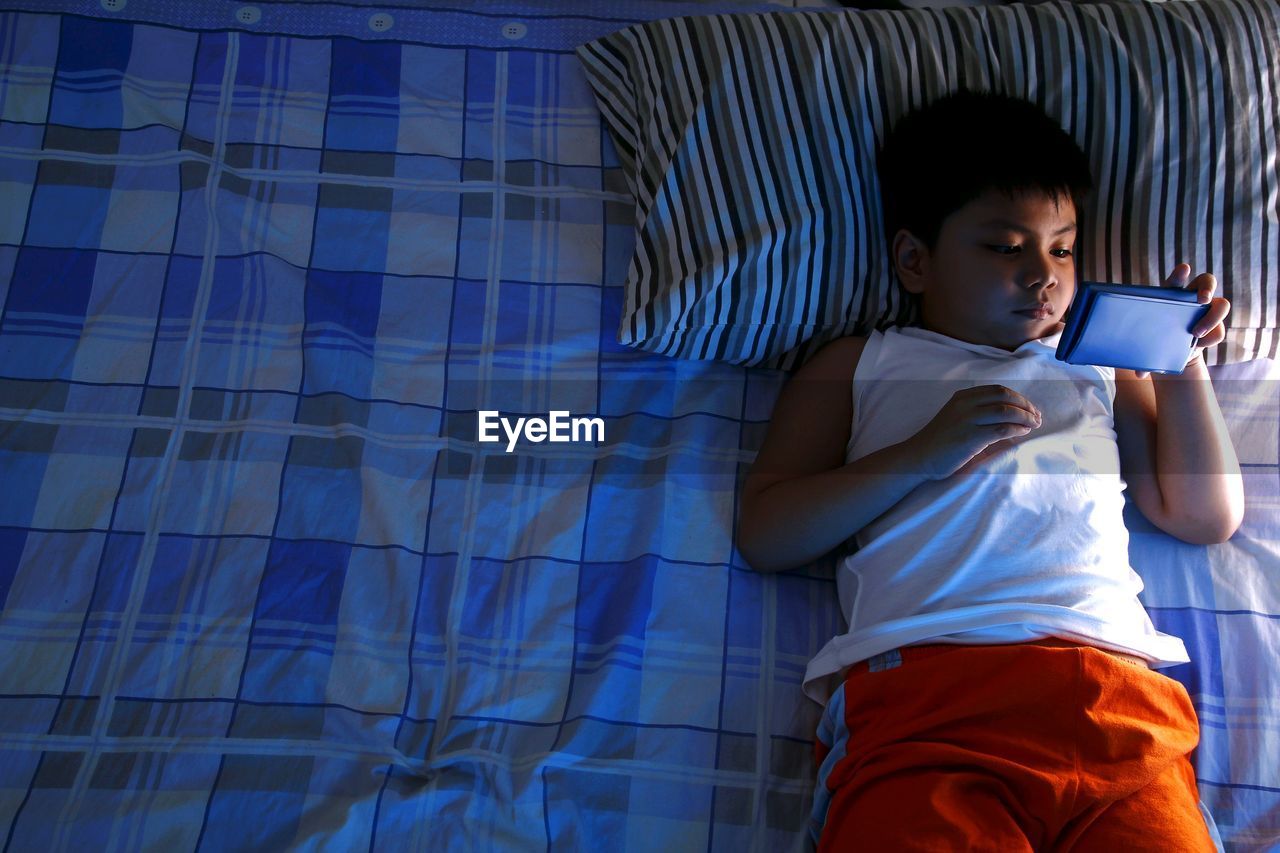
749,143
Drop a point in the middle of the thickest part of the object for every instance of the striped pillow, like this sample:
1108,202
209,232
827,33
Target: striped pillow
749,143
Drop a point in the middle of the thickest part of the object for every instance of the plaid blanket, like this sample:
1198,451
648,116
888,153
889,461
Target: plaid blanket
262,585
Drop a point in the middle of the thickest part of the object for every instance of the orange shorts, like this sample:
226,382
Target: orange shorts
1012,747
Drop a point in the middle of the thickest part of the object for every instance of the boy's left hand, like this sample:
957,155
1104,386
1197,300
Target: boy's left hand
1210,331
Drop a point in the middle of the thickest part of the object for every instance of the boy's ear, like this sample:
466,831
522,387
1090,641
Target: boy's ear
911,260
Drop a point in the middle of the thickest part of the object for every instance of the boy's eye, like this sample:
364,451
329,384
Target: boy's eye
1010,250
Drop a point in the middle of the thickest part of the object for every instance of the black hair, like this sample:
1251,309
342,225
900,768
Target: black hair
943,155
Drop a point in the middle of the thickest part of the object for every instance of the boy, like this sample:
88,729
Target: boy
998,671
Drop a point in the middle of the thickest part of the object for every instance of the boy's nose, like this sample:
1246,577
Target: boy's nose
1039,271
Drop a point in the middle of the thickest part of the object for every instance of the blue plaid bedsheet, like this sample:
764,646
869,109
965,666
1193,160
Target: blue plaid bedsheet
262,587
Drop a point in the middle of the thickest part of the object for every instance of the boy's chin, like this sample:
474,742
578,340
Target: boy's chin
1037,329
1049,330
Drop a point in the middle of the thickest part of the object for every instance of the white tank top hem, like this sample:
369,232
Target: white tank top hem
1027,543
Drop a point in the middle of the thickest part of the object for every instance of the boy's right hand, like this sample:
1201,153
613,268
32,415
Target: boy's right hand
972,420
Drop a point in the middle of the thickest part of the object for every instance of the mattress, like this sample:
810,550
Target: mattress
263,584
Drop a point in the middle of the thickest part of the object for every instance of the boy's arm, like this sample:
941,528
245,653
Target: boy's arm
1175,451
801,499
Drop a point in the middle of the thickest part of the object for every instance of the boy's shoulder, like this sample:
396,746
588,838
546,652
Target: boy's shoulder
843,348
835,359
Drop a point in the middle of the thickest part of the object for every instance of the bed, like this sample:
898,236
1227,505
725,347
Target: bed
263,584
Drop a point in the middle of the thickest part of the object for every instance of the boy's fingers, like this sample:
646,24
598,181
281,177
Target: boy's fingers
1218,310
1179,276
1020,400
999,420
1204,286
996,398
1217,336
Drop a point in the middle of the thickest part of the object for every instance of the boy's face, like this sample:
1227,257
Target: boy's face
995,258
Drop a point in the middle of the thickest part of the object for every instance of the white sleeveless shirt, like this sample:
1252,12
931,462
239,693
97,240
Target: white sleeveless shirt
1026,541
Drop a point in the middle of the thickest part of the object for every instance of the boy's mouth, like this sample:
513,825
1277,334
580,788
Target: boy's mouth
1044,312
